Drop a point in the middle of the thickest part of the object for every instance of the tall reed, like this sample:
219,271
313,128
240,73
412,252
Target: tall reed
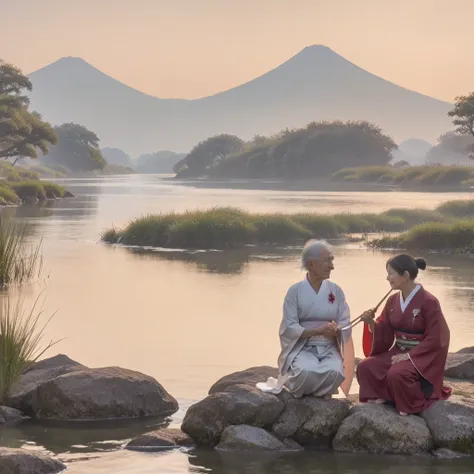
18,262
20,341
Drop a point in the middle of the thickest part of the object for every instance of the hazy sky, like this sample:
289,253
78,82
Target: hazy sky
194,48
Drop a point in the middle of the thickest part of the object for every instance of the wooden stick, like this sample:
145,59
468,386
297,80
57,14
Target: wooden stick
359,319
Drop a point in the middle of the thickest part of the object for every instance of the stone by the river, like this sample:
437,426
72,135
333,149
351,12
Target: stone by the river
380,429
163,438
311,421
248,376
237,416
10,415
62,389
466,350
249,438
460,366
451,423
23,394
21,461
237,405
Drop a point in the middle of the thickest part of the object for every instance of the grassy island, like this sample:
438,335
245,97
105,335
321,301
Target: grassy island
227,227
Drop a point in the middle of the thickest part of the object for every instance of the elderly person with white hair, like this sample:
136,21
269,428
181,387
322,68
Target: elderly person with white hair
314,310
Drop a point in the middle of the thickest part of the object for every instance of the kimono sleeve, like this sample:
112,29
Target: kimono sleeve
429,356
343,315
290,328
381,340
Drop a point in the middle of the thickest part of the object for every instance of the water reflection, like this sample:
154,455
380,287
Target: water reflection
78,437
229,262
322,463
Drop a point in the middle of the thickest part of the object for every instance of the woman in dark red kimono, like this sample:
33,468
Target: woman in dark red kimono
410,372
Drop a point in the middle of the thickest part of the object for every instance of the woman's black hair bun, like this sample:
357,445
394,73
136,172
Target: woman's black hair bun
420,263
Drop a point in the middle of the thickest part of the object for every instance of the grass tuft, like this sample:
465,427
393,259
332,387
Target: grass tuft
20,342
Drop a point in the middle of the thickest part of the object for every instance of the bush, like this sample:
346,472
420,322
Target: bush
29,190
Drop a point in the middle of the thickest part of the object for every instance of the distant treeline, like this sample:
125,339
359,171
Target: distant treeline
319,149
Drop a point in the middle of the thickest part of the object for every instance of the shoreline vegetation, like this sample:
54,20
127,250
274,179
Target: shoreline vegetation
227,227
426,175
19,185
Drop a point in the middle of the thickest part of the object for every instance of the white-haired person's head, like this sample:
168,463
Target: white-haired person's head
317,259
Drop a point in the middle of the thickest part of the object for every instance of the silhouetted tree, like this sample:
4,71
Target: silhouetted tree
208,154
115,156
77,149
22,133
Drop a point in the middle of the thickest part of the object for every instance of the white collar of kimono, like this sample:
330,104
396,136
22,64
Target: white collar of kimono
404,304
323,284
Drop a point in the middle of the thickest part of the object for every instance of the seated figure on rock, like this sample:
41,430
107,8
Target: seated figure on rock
312,344
407,344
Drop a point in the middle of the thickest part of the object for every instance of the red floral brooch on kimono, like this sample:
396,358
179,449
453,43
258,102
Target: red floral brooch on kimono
331,298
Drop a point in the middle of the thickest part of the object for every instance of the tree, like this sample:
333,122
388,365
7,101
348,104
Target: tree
115,156
317,150
22,133
463,114
209,153
77,149
13,82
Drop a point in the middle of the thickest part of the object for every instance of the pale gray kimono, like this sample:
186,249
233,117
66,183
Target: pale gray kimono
312,366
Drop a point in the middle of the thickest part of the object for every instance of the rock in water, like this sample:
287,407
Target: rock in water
460,366
466,350
238,405
311,421
21,461
10,415
102,394
249,376
380,429
23,393
161,438
249,438
452,424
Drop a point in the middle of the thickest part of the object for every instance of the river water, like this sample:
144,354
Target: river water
189,318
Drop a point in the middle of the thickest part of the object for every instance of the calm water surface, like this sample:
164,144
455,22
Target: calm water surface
189,318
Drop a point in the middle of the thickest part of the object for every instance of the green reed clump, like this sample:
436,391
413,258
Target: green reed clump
457,208
411,217
20,342
432,236
18,262
229,227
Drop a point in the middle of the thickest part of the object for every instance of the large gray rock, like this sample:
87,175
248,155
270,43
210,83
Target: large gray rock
460,366
311,421
164,438
24,391
21,461
245,377
237,405
376,428
249,438
10,415
451,423
101,394
466,350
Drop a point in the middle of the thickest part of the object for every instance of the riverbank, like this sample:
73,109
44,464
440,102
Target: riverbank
408,177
